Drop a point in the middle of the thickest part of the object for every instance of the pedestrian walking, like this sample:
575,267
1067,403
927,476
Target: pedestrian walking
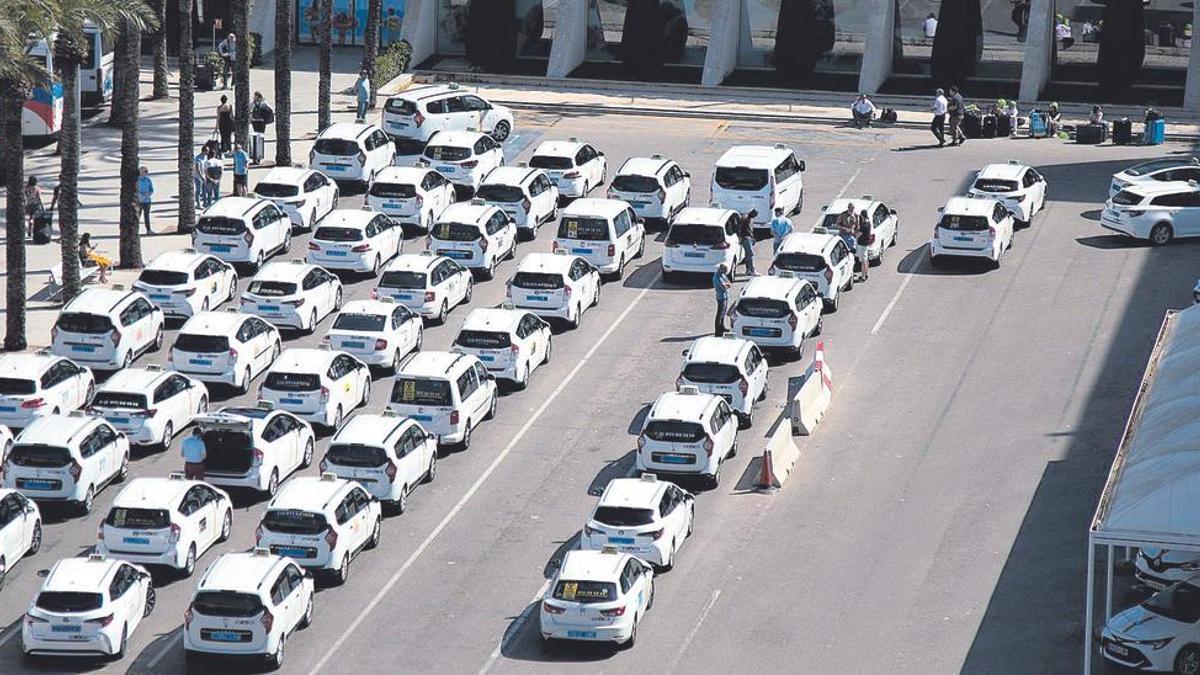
1020,16
199,185
929,26
241,166
957,108
746,239
194,455
33,202
780,228
862,247
362,90
721,283
145,196
937,126
213,170
225,124
261,115
228,51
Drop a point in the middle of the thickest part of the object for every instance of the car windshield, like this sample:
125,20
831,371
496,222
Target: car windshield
335,146
356,454
292,381
271,289
163,277
741,178
11,386
995,185
630,183
414,391
78,322
762,308
799,262
447,153
402,280
964,223
507,194
623,516
220,225
393,190
1126,198
552,163
66,602
226,603
330,233
585,592
364,322
483,339
455,232
1154,165
1180,602
119,399
400,106
583,229
711,373
274,190
695,235
39,455
672,431
138,519
293,521
202,344
538,281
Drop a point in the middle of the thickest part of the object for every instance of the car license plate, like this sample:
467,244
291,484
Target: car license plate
459,255
1156,585
37,484
581,251
964,239
268,308
620,540
224,636
676,459
354,345
290,551
8,408
65,629
200,362
538,298
83,348
404,296
581,633
638,204
336,253
392,205
1118,650
693,255
221,248
422,418
336,167
291,401
759,332
159,296
487,357
399,125
447,167
119,420
137,540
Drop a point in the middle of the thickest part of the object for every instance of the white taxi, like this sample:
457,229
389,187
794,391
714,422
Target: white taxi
730,367
87,607
428,285
355,240
463,157
1165,170
972,228
387,454
243,230
168,521
149,404
20,529
476,235
701,239
778,312
227,347
107,328
604,232
352,152
885,226
555,286
254,447
510,342
449,394
644,517
1158,212
1020,188
656,187
184,282
321,523
376,332
575,167
759,178
67,458
821,258
34,385
597,596
526,195
306,196
294,294
318,385
688,433
413,115
410,195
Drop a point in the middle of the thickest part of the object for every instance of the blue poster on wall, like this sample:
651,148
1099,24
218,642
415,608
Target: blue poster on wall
349,21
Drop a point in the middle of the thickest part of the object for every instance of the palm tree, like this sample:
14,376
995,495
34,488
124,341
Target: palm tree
161,89
371,37
126,59
69,52
187,120
283,83
324,86
241,71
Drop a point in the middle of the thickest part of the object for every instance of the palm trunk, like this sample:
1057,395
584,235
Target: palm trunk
241,72
371,36
127,57
14,228
116,112
187,121
68,195
161,89
324,88
283,83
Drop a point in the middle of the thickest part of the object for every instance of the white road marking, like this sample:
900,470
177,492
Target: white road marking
695,629
518,627
474,487
841,192
896,297
165,650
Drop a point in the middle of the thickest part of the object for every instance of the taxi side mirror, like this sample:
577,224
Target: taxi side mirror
892,212
803,166
42,574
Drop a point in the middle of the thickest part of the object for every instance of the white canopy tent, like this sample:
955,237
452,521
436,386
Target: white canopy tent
1152,496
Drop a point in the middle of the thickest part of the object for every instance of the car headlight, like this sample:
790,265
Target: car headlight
1157,644
1190,566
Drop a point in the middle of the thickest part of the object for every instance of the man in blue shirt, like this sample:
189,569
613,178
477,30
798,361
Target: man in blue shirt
145,195
194,453
721,284
241,166
362,90
780,227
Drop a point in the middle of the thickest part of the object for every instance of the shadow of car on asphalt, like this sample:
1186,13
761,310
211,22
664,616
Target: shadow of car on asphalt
917,261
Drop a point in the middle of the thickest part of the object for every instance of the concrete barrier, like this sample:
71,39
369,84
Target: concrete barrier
812,399
779,458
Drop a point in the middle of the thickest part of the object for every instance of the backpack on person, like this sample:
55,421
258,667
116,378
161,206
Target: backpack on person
266,114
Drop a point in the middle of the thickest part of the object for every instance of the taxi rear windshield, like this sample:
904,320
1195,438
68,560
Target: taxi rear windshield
800,262
482,339
583,229
994,185
674,432
202,344
220,226
366,322
119,399
68,601
455,232
414,391
402,280
964,223
294,521
329,233
830,222
585,592
711,373
77,322
163,277
695,235
393,190
10,386
400,106
1126,198
623,516
356,454
272,289
138,519
39,455
1151,166
335,146
763,308
741,178
274,190
292,381
447,153
635,184
552,163
226,603
538,281
507,194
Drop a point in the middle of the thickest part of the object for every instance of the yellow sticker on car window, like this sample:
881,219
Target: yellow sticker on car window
570,588
572,229
445,231
410,390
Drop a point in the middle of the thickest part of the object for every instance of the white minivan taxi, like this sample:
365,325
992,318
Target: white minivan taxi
228,348
352,152
428,285
355,241
449,394
657,188
555,286
254,447
574,167
414,115
526,195
306,196
730,367
701,239
389,455
511,342
463,157
688,433
149,405
376,332
821,258
476,235
243,230
67,458
410,195
293,294
604,232
760,178
107,328
644,517
1020,188
778,312
597,596
184,282
34,385
972,228
318,385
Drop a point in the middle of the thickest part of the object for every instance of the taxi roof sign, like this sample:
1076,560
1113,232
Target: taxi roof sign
327,476
609,550
649,478
262,552
262,404
689,390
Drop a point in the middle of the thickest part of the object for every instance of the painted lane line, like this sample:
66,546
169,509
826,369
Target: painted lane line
841,192
449,517
517,628
896,297
695,629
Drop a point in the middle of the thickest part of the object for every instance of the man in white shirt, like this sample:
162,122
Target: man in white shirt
930,26
862,110
1063,33
938,125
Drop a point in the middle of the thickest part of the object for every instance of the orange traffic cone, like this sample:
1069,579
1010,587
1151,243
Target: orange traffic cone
766,478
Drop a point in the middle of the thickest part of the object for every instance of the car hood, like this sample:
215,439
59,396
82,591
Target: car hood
1139,623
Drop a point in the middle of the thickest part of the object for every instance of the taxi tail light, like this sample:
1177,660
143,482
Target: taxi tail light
662,194
829,274
552,609
33,403
708,446
32,620
149,412
515,350
324,394
654,534
261,531
362,157
420,201
1134,213
1018,198
567,292
429,296
233,355
115,337
380,345
525,204
722,245
331,537
249,237
313,246
744,386
186,292
188,614
470,164
571,175
418,119
324,465
293,303
390,470
101,622
257,457
175,532
641,441
76,470
679,381
361,248
615,611
453,417
483,244
589,531
791,322
991,232
612,250
267,620
374,293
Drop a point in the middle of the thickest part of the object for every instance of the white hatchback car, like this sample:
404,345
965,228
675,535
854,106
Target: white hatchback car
321,523
759,178
604,232
355,241
1165,170
972,228
428,285
476,235
657,188
511,343
885,225
1157,212
168,521
449,394
35,385
410,195
1157,568
321,386
463,157
107,328
1020,188
350,152
67,458
644,517
822,259
149,405
225,348
573,166
20,529
730,367
376,332
597,596
184,282
293,294
306,196
688,433
526,195
254,447
555,286
701,239
414,115
243,230
87,607
778,312
1160,634
387,454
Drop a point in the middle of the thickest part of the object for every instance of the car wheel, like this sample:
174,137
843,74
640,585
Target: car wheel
549,348
491,414
641,247
1161,234
306,620
628,644
3,571
523,381
158,339
1188,660
489,272
337,300
287,241
123,472
818,328
189,564
273,483
746,420
470,292
395,361
366,397
233,282
714,481
244,385
431,472
831,306
128,360
91,393
258,261
374,540
120,653
574,318
466,439
151,600
420,339
668,563
308,454
168,434
337,419
85,506
276,661
375,267
501,131
35,539
441,317
203,406
275,351
312,323
691,521
343,570
226,526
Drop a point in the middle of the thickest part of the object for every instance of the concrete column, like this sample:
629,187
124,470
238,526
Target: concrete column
1039,50
568,47
262,21
420,28
1191,87
879,47
745,39
724,43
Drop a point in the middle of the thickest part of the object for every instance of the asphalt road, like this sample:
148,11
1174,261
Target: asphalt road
935,523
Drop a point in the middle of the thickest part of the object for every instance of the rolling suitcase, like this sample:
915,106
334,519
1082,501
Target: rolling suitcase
1155,132
43,227
987,129
258,144
1037,125
1122,131
1091,134
1004,126
971,125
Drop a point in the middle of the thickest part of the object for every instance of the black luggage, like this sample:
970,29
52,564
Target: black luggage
971,125
1122,131
1091,134
988,128
1004,126
1166,35
43,227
